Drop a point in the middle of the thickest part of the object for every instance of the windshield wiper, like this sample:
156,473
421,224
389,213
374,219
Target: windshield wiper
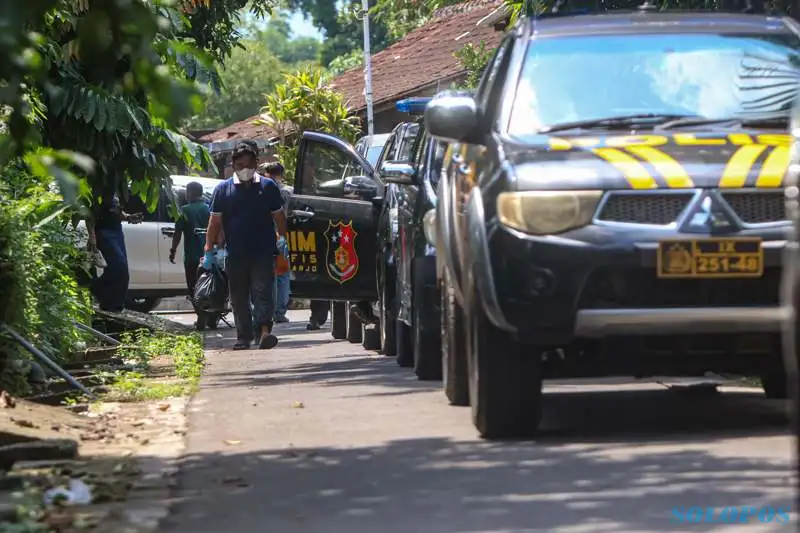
771,119
622,121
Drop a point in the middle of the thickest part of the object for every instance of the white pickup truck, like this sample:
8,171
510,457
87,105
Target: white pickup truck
152,276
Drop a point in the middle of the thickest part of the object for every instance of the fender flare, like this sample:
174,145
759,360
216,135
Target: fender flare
444,240
481,262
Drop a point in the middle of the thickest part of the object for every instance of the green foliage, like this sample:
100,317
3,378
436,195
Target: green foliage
346,62
140,348
250,72
305,102
474,60
403,16
39,258
342,25
277,36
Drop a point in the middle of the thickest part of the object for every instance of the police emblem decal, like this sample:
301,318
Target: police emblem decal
341,258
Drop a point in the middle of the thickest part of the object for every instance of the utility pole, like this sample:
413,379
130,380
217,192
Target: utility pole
367,67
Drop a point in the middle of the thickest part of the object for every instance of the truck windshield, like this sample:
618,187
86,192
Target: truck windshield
573,79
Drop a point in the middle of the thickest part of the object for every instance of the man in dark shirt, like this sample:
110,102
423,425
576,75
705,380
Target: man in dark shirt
194,215
248,209
106,235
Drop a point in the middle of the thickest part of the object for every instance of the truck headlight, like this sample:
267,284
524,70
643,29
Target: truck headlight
547,212
429,226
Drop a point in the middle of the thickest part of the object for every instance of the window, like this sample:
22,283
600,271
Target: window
487,88
713,76
325,170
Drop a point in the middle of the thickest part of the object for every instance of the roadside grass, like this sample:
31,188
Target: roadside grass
156,367
164,365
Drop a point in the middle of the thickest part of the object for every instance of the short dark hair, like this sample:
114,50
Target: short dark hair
273,168
244,148
194,190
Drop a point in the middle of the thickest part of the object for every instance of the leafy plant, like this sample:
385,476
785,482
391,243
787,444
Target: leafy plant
474,60
304,102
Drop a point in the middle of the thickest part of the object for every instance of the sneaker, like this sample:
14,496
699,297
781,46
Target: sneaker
281,319
312,326
241,345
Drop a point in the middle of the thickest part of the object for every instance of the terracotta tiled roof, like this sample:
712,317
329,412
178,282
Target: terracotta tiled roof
244,129
423,57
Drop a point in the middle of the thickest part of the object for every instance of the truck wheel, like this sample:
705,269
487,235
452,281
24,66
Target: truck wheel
427,344
776,386
405,345
354,327
505,380
371,337
388,319
454,356
339,320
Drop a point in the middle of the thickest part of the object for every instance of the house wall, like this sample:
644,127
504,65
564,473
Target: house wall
386,116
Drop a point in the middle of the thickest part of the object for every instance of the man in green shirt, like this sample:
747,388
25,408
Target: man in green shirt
194,215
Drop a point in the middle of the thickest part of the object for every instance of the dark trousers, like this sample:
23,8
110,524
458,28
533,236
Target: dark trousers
111,289
251,281
319,311
190,269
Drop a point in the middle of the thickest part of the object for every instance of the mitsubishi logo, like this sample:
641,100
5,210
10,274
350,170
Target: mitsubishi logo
709,214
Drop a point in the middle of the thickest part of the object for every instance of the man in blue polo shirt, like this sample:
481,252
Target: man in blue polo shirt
248,208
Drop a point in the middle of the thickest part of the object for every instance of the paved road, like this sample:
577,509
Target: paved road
321,436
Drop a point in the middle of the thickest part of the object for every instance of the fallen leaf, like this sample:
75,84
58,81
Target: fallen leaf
232,442
298,405
24,423
163,406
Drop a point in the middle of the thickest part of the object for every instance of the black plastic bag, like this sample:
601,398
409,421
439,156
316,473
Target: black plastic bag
211,291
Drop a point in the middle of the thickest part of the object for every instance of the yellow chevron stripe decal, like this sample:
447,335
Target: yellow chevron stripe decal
672,171
637,175
774,168
735,174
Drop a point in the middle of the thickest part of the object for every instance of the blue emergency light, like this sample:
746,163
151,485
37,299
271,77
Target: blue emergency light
412,105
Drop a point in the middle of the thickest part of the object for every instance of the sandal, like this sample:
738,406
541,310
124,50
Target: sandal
268,341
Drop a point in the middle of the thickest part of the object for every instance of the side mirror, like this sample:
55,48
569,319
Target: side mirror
397,172
453,117
362,187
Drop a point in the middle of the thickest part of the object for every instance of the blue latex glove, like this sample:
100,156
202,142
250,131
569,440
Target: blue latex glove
208,260
282,248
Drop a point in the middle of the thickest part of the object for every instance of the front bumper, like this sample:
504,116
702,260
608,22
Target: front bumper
598,282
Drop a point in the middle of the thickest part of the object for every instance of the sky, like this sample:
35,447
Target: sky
302,27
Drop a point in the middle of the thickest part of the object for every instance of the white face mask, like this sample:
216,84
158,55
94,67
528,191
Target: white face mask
246,174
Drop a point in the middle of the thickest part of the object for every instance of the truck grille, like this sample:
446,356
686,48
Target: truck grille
659,209
752,207
757,207
618,288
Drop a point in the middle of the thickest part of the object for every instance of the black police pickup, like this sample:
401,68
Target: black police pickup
358,234
612,204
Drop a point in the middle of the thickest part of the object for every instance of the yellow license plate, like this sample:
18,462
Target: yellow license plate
711,258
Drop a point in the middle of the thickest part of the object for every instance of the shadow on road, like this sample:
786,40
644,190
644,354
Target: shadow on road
438,485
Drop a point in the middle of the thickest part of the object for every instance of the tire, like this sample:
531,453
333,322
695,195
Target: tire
505,382
388,318
142,304
454,352
427,344
339,320
776,385
371,337
354,327
405,345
